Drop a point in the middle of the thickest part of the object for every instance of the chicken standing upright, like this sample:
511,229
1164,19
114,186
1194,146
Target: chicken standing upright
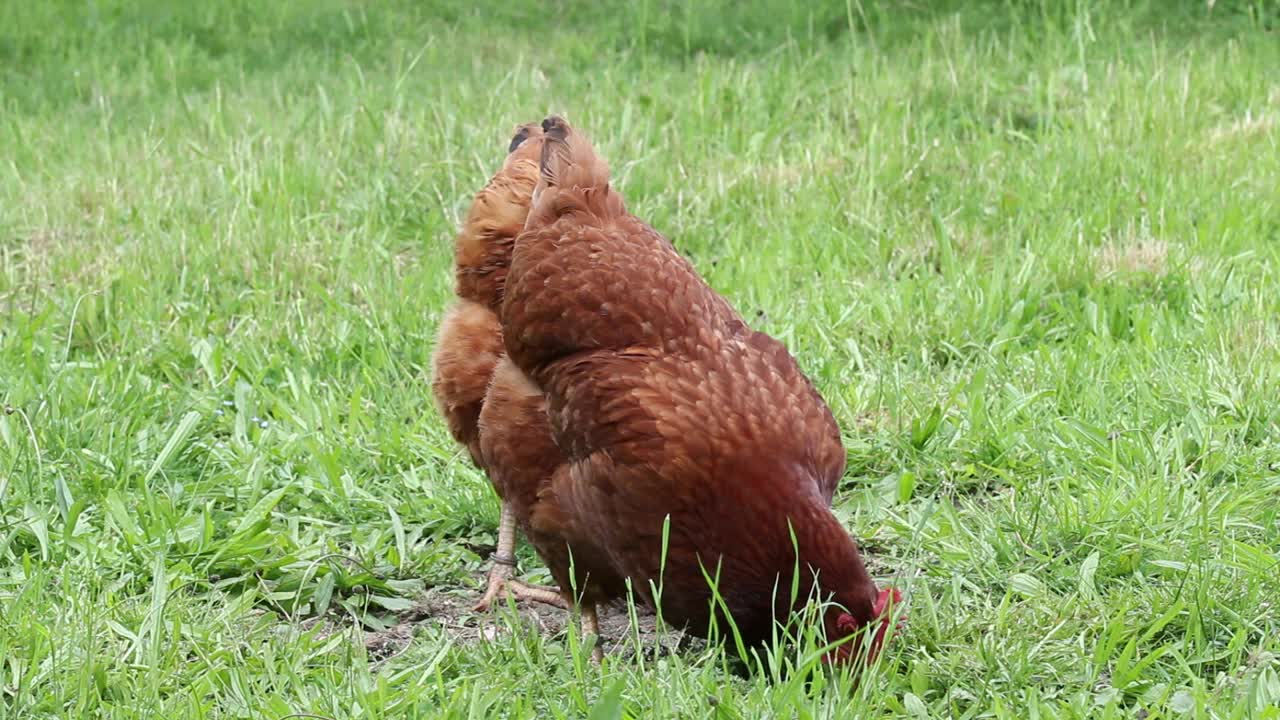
672,425
469,342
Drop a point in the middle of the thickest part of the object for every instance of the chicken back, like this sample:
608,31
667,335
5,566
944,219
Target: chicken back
688,446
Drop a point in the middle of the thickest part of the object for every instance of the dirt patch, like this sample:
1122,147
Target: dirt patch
872,420
449,610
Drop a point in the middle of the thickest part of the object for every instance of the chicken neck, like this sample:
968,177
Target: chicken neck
827,550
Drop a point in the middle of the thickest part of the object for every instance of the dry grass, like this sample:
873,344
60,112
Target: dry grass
1142,256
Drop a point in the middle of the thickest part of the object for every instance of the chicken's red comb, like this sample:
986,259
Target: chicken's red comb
882,600
888,596
846,623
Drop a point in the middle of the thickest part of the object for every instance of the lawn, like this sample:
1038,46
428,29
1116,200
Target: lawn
1028,251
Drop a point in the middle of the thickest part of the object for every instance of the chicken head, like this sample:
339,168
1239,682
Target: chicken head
846,626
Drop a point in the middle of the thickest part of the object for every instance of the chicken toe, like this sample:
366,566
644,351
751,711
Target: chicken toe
499,575
537,593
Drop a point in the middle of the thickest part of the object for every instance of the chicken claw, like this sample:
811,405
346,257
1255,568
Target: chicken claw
504,564
500,583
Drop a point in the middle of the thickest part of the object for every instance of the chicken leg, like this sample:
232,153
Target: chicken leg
504,564
590,627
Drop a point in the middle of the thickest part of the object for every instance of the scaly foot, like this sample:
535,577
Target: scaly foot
591,627
504,566
501,583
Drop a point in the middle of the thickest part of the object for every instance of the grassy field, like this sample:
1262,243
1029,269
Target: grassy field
1030,253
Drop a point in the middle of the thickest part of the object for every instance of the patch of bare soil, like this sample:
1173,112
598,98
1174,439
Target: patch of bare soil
449,610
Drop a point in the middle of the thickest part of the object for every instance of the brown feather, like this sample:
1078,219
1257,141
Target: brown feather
523,461
469,341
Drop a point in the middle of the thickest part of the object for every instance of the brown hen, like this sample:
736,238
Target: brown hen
668,415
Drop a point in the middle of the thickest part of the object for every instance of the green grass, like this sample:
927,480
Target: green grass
1030,253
